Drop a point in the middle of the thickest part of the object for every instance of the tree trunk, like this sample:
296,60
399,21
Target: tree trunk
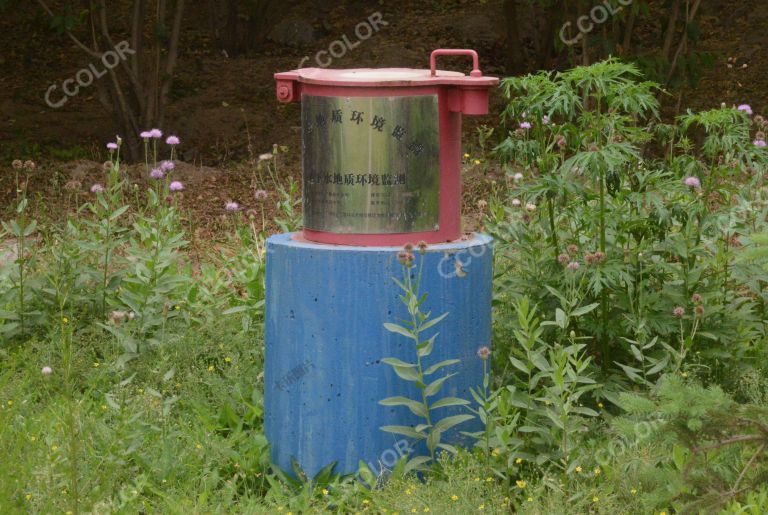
514,55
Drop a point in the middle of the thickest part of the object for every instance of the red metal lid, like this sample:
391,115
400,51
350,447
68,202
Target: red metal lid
387,77
394,77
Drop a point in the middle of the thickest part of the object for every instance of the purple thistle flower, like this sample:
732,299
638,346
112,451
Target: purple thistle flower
156,133
525,125
545,120
483,352
260,194
156,174
692,182
573,265
167,166
97,188
232,207
173,140
176,186
760,143
112,146
145,134
678,312
746,108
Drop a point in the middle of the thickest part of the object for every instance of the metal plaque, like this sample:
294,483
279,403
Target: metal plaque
371,164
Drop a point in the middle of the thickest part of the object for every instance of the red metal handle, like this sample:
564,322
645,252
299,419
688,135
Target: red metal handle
456,51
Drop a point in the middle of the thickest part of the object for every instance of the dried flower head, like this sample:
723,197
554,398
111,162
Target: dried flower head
561,141
483,352
573,249
106,166
517,177
408,247
260,195
73,185
530,207
678,312
696,298
516,202
563,259
29,165
545,120
699,310
405,258
422,246
17,164
266,157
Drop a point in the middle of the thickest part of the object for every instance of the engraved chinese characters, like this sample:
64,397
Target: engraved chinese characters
371,164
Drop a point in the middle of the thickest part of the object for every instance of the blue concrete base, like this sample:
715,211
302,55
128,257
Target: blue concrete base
323,376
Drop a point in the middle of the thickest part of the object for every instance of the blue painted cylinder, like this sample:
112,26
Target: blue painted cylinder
325,339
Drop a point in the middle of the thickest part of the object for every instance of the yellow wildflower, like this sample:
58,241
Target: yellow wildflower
481,507
228,359
495,452
488,479
210,368
579,469
366,501
477,479
64,320
29,497
454,497
530,499
598,471
519,461
595,499
325,491
600,405
466,156
96,364
633,491
408,491
198,446
520,483
426,509
477,161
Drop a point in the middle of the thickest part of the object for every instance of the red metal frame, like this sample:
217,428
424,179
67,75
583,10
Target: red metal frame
457,94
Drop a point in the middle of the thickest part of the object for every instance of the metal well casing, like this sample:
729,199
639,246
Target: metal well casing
386,170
